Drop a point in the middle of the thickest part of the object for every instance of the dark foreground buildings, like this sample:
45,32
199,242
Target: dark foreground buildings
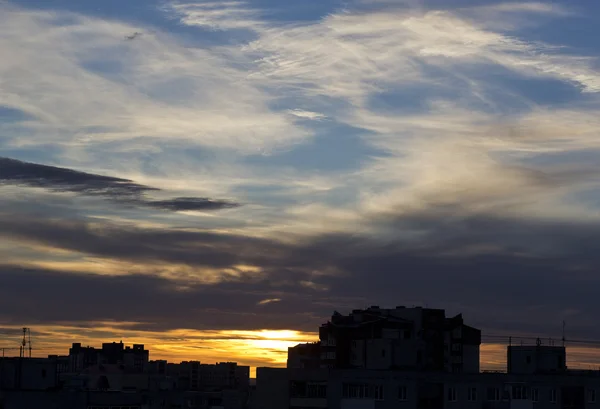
374,358
417,358
394,339
116,376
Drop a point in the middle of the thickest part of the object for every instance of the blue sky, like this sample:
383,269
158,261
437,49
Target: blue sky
331,154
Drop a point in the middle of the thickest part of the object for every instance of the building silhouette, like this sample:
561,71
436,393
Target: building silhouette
113,353
399,338
373,358
417,358
118,376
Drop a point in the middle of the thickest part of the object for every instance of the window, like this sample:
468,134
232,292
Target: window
493,394
472,394
552,395
402,393
519,392
298,389
328,342
362,391
451,394
377,392
316,390
383,353
348,391
528,359
535,395
591,395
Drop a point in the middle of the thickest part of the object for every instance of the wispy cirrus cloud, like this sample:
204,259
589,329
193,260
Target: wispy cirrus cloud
268,301
353,55
474,181
300,113
518,7
148,87
222,15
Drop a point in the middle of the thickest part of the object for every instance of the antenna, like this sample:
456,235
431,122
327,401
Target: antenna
563,333
26,341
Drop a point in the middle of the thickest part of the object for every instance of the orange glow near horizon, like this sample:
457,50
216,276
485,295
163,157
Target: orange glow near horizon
253,348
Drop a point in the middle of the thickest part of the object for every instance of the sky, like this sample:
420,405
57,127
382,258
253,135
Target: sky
215,178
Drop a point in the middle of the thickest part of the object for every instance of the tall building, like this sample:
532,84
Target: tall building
400,338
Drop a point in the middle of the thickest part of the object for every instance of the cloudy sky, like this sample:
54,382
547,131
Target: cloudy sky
214,178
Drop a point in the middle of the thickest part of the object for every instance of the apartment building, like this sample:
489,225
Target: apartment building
373,389
400,338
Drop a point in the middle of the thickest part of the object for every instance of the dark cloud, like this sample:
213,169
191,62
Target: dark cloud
11,332
505,275
146,245
156,303
20,173
191,203
124,191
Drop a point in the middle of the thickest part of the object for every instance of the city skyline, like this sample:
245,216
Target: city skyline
267,348
213,179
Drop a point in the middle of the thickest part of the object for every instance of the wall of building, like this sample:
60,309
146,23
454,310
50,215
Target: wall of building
536,358
470,358
118,381
379,353
304,356
28,373
431,390
272,388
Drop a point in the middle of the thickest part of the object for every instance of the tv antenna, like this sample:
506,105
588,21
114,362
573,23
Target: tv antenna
25,342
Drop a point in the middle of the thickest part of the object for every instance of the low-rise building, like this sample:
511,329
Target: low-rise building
196,376
304,356
28,374
134,358
532,359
